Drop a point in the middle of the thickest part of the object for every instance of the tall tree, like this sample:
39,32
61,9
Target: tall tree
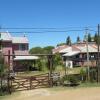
96,38
89,37
68,40
78,39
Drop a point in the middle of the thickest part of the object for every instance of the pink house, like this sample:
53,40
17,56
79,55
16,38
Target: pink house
16,46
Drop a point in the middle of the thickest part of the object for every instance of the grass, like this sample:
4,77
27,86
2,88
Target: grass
9,96
58,69
31,73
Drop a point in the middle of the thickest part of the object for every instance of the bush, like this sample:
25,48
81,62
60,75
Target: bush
70,80
3,90
73,80
83,74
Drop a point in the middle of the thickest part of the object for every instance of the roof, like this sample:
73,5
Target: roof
17,58
65,50
59,48
72,53
5,36
19,40
90,49
82,48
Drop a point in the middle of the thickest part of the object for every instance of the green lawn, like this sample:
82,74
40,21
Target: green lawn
58,69
31,73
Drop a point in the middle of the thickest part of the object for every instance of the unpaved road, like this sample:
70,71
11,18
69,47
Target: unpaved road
70,94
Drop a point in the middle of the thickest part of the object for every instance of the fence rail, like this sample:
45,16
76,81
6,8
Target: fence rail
30,82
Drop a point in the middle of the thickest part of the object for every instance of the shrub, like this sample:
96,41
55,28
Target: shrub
70,80
73,80
83,74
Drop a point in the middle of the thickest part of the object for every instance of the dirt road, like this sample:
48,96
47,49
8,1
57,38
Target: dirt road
70,94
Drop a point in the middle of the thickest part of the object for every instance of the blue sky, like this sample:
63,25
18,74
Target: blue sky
63,14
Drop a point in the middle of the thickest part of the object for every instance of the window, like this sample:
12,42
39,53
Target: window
22,47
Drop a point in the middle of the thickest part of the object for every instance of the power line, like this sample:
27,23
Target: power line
41,31
46,27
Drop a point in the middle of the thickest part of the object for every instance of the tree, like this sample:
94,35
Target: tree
36,50
89,37
60,44
68,40
39,50
96,38
78,39
48,49
58,59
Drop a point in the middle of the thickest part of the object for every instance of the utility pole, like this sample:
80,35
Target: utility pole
88,69
98,57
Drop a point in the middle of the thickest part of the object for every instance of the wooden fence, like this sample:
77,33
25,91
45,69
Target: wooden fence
30,82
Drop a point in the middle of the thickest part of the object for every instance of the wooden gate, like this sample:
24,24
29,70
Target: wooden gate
30,82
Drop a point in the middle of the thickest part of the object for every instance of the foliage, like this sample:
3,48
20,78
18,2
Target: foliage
83,73
40,50
78,39
4,90
48,49
36,50
42,64
68,40
70,80
89,37
58,59
73,80
60,44
96,38
93,74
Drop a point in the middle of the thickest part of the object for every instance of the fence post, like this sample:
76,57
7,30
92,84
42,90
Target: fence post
50,65
9,88
30,82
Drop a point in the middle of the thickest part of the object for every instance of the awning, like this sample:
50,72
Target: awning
26,58
72,53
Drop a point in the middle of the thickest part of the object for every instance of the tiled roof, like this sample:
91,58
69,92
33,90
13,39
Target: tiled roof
77,47
90,49
19,40
65,50
59,48
5,36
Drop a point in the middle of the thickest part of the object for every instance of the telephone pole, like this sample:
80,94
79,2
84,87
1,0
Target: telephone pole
98,57
87,50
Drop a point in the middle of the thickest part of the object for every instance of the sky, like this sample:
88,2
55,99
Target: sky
52,20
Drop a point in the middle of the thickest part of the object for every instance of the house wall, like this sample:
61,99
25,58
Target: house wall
8,46
6,49
17,51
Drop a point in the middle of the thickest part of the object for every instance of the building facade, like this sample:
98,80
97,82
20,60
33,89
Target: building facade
14,45
76,54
